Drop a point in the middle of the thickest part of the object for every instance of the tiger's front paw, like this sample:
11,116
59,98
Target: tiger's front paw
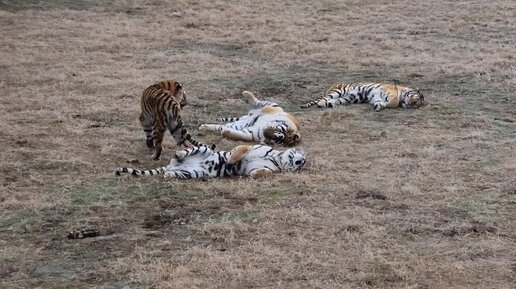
261,173
378,106
204,127
225,132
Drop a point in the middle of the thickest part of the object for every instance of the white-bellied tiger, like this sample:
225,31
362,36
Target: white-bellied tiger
379,95
161,109
244,160
266,122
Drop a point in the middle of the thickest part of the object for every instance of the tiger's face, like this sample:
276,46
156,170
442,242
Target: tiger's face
414,99
179,94
293,159
182,99
280,135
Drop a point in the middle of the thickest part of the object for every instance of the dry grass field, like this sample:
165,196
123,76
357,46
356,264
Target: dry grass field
397,199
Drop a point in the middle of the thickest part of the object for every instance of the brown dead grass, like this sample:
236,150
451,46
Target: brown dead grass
398,199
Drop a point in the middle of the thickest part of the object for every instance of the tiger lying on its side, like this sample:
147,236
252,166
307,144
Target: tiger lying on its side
161,109
244,160
378,94
266,123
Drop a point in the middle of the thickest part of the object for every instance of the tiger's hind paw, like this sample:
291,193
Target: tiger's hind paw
249,97
169,175
181,154
150,143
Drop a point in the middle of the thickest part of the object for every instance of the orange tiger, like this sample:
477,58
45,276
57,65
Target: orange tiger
161,109
378,94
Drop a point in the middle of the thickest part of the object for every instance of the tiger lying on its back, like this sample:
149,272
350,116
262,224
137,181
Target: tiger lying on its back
266,122
380,95
161,109
244,160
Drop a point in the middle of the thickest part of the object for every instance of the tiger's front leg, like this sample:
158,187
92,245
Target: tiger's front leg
391,100
211,127
234,134
261,173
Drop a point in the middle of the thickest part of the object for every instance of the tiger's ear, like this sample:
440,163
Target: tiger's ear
417,90
178,85
296,138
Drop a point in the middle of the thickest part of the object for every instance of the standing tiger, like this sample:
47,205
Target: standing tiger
161,109
244,160
266,122
379,95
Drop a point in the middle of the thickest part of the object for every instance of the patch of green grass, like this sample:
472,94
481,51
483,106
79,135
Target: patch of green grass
241,216
276,193
22,221
17,5
117,191
489,206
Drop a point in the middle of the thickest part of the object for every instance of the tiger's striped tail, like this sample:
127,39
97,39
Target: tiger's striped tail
188,138
137,172
228,119
309,104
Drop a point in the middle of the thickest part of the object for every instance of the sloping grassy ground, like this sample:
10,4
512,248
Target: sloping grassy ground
398,199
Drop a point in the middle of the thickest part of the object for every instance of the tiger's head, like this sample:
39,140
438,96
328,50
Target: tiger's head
413,99
292,159
283,135
177,91
180,94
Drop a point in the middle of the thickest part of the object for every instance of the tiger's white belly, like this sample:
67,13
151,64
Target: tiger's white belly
201,164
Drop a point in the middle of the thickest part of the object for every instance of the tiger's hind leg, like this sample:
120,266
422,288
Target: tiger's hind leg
147,128
158,130
249,97
238,153
252,100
